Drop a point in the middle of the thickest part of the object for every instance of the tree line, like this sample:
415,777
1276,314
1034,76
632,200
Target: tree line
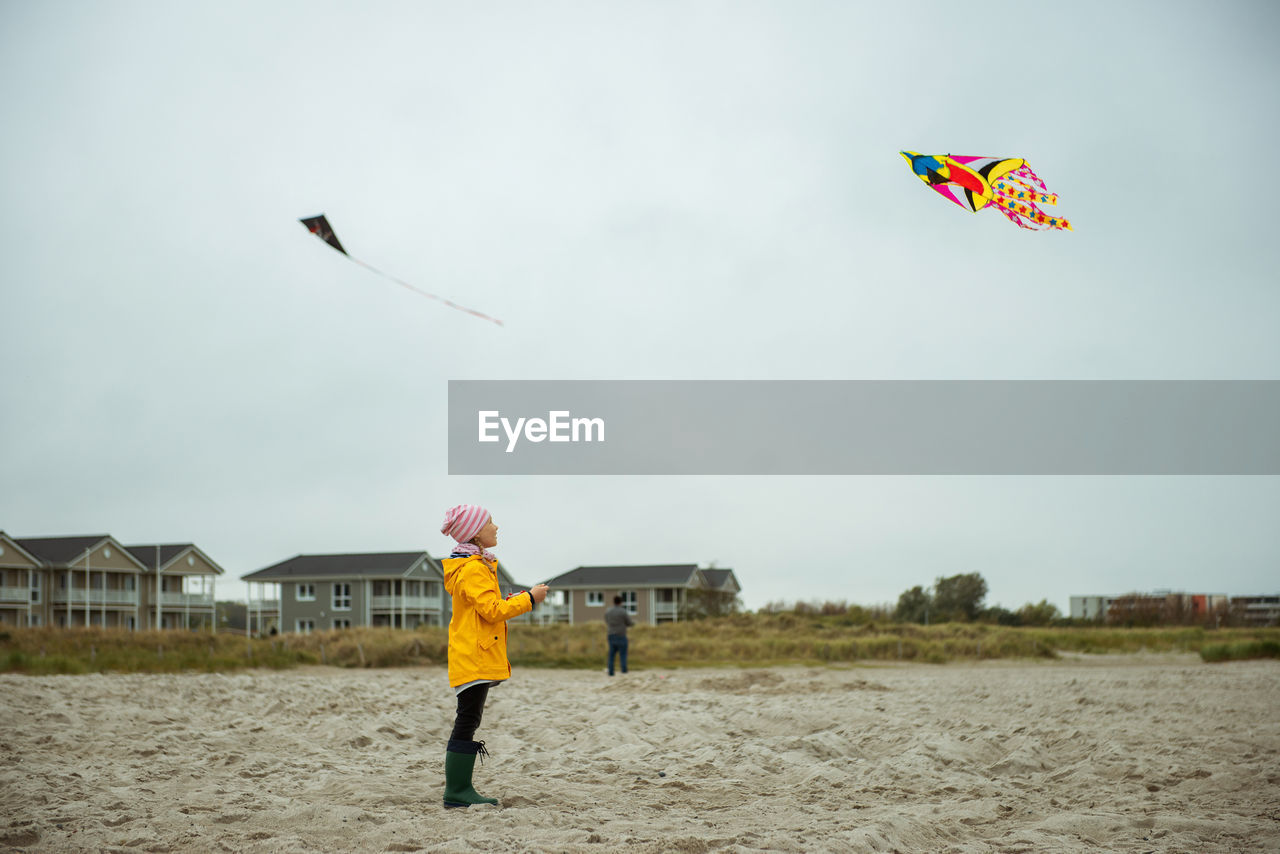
954,599
961,599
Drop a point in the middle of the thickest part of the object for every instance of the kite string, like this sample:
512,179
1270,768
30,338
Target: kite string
405,284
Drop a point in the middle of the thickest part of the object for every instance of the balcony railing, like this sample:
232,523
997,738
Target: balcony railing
127,598
14,594
666,609
409,603
266,606
550,612
186,600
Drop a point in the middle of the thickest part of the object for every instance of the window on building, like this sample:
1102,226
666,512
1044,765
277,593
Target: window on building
304,627
629,600
33,619
595,598
35,588
304,592
341,596
341,624
130,583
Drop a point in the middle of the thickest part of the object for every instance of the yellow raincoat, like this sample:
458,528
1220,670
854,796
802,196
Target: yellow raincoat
478,630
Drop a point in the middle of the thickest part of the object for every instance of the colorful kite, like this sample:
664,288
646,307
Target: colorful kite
975,182
319,226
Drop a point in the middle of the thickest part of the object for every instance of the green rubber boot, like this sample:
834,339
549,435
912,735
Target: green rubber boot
459,760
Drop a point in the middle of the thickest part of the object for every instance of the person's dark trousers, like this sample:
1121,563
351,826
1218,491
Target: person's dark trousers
470,710
618,647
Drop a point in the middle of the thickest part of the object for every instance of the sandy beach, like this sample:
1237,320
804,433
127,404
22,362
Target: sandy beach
1116,753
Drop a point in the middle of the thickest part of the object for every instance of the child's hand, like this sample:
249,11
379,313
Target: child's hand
539,592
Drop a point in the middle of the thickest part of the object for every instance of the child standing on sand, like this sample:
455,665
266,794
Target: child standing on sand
477,639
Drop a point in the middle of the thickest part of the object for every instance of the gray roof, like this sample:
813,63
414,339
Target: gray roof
717,578
146,554
661,575
18,546
380,564
59,551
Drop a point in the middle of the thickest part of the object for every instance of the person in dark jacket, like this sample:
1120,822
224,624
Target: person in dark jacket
616,620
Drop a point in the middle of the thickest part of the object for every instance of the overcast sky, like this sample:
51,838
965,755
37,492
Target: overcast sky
640,191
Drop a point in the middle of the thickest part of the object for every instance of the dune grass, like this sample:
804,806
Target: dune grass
1241,651
748,640
95,650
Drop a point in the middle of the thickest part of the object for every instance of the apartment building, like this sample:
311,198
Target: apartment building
1170,606
307,593
94,580
659,593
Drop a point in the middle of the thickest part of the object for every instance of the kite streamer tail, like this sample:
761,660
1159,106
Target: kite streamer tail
1018,196
1013,217
1020,191
421,292
1021,213
1024,171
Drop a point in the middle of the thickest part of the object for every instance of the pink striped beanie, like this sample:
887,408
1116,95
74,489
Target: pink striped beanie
464,522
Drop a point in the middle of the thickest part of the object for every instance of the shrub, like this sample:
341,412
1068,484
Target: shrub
1240,651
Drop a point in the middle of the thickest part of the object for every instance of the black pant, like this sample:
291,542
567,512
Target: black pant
470,710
